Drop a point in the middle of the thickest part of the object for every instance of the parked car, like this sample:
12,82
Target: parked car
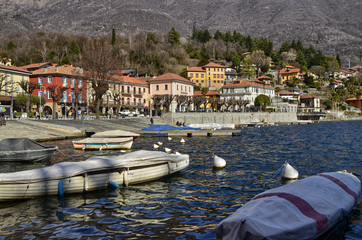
125,112
135,113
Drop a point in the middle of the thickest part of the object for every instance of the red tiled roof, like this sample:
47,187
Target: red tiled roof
288,71
243,82
338,81
14,68
128,79
58,70
213,65
35,65
196,69
354,99
209,93
264,77
308,96
169,76
285,92
246,53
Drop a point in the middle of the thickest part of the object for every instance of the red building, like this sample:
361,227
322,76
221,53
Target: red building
65,76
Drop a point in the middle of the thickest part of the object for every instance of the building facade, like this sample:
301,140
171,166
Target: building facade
288,73
211,76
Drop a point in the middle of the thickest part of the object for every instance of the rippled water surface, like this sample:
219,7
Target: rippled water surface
189,204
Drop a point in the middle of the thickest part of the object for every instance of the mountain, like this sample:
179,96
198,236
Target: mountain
330,25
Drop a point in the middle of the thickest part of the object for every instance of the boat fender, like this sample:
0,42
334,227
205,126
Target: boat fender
85,182
125,177
61,188
113,184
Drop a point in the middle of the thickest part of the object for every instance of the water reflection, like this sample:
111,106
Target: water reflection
188,205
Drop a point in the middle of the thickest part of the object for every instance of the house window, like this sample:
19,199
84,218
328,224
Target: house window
80,84
65,82
49,95
65,97
122,89
122,100
128,90
166,87
202,75
134,101
72,83
197,75
49,79
40,80
181,88
157,88
139,90
134,90
214,75
177,87
214,81
191,74
144,90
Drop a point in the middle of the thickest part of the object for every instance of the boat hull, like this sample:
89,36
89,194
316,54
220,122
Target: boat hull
104,144
24,156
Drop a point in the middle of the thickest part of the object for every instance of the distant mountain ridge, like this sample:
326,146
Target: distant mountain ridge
330,25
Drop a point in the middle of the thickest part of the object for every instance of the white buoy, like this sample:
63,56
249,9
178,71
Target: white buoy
168,150
169,138
182,140
123,151
219,162
177,153
156,146
289,172
160,143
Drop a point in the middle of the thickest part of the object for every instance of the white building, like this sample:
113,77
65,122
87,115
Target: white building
245,90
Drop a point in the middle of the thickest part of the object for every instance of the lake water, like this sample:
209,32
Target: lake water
189,204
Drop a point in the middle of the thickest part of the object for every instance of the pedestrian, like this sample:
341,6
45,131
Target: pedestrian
151,121
2,118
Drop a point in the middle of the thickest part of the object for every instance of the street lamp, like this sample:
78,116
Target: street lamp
40,95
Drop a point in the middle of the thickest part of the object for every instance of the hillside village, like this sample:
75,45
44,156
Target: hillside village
211,88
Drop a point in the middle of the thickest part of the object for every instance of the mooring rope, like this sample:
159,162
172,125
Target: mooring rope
275,174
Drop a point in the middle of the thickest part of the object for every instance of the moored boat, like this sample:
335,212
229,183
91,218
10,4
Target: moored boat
24,149
103,143
115,134
91,174
304,209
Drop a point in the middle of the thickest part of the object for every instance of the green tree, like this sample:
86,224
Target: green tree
113,41
262,101
74,48
248,70
11,46
173,37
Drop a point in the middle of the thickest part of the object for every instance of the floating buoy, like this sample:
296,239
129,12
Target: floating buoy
123,151
168,150
160,143
182,140
177,153
156,146
219,162
169,138
289,173
113,184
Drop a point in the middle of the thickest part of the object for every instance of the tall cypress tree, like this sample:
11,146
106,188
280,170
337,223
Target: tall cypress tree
113,36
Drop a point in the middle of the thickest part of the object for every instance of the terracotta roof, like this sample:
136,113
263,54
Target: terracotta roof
209,93
287,71
244,82
169,76
213,65
285,92
196,69
246,53
128,79
338,81
35,65
14,68
308,96
58,70
354,99
264,77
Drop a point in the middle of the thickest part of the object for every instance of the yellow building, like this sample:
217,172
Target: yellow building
10,78
211,76
288,73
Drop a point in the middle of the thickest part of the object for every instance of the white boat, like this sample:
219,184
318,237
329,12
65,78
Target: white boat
103,143
155,146
24,149
159,143
219,162
289,172
182,140
304,209
115,134
169,138
168,150
91,174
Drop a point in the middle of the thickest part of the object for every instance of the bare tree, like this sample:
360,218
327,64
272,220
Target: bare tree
98,61
117,99
242,103
29,88
156,101
4,84
56,93
180,99
260,60
289,56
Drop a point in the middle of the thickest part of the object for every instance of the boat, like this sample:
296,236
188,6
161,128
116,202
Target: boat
305,209
115,134
168,150
103,143
289,172
94,173
219,162
24,149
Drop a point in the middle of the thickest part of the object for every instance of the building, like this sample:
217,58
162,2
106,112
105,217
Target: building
133,92
355,102
289,96
243,89
230,75
212,98
309,103
172,85
36,66
288,73
65,76
10,79
211,76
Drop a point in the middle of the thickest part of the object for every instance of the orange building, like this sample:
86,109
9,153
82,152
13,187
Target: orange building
288,73
355,102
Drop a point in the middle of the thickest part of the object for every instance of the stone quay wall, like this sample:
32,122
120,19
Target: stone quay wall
230,118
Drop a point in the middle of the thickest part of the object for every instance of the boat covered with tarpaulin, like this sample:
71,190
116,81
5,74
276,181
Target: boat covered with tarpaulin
92,174
166,127
304,209
115,134
24,149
